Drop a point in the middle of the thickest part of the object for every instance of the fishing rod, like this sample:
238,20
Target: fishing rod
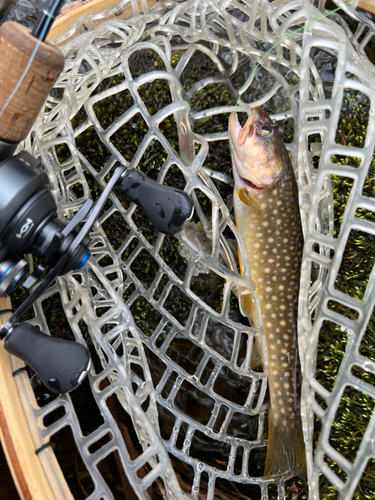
29,223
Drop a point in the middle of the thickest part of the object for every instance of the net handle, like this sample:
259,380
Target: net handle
368,5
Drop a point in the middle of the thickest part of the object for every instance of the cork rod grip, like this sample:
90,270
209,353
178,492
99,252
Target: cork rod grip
16,47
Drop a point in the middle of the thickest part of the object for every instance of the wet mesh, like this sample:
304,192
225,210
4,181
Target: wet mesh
171,395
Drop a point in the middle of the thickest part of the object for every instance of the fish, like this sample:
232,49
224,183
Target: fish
267,217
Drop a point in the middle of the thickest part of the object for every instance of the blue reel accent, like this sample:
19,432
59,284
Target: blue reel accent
19,279
84,260
7,270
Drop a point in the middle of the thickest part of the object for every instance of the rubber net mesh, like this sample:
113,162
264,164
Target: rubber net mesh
171,394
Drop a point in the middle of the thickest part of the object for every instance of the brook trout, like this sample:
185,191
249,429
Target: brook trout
268,219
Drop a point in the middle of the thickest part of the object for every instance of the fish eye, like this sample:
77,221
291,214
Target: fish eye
265,131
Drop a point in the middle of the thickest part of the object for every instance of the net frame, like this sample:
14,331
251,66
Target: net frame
316,203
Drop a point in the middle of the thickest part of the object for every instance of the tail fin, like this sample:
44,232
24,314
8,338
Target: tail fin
286,449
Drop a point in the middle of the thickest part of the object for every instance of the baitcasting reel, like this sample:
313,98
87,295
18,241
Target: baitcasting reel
29,225
29,222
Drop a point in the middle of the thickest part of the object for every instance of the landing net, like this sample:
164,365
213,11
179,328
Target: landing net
171,397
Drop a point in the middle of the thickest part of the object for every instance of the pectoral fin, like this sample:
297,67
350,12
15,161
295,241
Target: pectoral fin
257,354
247,308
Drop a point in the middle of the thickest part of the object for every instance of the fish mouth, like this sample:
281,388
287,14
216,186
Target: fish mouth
255,121
251,185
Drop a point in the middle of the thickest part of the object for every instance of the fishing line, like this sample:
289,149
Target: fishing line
49,14
282,40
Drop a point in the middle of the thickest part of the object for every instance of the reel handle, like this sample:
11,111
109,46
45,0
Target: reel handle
60,364
168,209
16,46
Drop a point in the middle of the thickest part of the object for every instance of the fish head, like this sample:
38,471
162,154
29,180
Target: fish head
257,152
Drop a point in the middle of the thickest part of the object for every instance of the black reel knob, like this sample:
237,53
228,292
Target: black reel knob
168,209
60,364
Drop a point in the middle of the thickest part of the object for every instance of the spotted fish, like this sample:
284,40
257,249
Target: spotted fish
268,220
